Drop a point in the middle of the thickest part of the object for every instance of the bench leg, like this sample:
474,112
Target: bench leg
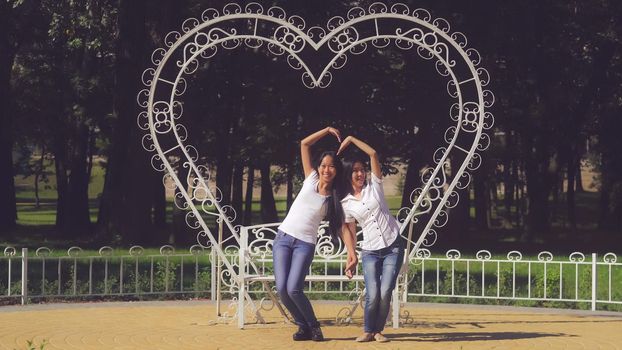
241,300
396,308
349,311
275,301
358,302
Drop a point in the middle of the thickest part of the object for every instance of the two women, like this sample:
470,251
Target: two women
323,196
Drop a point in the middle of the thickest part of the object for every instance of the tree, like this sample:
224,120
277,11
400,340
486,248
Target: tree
127,203
14,28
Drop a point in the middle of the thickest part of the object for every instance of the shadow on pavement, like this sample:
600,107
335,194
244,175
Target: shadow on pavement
465,336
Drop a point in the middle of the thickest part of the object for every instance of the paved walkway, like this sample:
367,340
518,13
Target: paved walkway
186,325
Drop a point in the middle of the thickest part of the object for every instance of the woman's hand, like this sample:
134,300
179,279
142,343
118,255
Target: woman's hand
345,144
351,263
335,132
307,142
373,157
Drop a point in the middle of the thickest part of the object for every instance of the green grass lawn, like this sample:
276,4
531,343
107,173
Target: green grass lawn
36,225
25,193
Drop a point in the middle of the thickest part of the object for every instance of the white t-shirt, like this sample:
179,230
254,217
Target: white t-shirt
307,211
380,228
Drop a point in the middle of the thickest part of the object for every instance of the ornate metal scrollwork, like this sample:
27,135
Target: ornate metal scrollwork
289,37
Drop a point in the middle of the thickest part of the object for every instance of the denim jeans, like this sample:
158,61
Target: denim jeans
380,270
292,258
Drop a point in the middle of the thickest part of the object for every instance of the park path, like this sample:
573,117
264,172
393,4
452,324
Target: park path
186,325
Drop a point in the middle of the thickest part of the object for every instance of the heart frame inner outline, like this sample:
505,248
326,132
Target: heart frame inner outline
378,25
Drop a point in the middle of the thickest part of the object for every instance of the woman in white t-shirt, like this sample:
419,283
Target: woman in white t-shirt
382,247
294,245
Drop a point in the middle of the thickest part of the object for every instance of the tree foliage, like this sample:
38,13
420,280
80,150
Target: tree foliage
72,69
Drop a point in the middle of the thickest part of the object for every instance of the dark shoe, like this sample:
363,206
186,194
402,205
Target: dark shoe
304,333
316,334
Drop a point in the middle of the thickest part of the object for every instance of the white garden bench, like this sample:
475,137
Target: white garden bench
259,251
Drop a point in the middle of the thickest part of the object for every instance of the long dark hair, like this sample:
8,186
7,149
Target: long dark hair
334,212
348,164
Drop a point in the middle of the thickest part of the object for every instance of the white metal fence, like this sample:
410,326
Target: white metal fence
576,281
107,274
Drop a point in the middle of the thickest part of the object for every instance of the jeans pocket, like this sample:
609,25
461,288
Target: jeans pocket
278,236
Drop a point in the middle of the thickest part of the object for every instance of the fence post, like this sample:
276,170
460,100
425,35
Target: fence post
24,276
213,273
218,267
241,275
594,257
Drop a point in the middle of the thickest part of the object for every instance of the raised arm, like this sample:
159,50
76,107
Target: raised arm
373,157
307,142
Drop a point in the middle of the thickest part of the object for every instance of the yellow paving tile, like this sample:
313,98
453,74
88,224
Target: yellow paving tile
187,325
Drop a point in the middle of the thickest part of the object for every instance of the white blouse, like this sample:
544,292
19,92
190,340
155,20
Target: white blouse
380,228
307,211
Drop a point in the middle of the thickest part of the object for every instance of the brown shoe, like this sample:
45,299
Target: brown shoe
365,337
380,338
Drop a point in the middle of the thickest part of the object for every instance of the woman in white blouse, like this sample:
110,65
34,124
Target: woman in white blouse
382,247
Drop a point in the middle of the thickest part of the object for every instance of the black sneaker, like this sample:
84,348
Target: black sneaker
316,334
304,333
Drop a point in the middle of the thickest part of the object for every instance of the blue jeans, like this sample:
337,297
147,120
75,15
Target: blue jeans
380,270
292,258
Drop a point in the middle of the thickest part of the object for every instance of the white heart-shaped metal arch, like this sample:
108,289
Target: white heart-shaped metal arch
378,25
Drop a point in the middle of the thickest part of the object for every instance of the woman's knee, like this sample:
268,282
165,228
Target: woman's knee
387,289
372,296
294,292
281,288
385,294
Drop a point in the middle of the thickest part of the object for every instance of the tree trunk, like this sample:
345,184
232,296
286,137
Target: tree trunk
604,217
78,222
538,190
457,228
180,232
38,174
237,191
509,186
127,200
8,209
481,199
159,206
521,203
557,189
290,185
60,169
91,153
248,200
518,197
224,172
570,192
600,67
224,165
579,178
268,205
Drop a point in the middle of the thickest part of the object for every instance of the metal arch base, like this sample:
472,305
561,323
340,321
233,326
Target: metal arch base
287,36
